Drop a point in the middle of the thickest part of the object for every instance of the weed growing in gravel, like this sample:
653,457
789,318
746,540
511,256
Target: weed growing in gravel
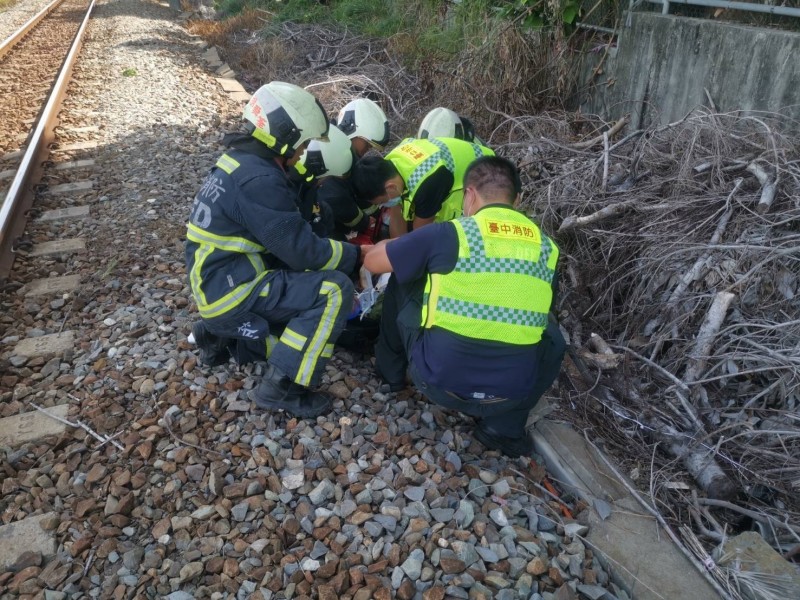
129,72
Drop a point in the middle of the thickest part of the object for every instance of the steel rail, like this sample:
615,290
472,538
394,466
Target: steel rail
15,37
20,195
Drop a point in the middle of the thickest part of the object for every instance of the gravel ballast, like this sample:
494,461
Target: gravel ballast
385,497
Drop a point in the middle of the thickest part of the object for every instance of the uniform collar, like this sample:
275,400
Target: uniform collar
496,205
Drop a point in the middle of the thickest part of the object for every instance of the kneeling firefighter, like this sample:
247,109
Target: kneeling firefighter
254,263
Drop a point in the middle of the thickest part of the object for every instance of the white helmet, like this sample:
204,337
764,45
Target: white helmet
365,119
331,157
285,116
443,122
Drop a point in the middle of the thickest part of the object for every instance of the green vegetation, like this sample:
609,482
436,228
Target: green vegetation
129,72
421,28
538,13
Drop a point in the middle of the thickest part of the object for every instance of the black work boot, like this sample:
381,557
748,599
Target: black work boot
213,349
510,446
276,390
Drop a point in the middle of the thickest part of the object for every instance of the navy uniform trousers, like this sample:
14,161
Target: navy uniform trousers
306,311
400,330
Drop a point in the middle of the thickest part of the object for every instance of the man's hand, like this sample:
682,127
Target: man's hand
375,258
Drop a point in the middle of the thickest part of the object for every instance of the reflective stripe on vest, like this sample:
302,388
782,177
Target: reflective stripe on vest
222,242
208,243
227,164
500,289
416,160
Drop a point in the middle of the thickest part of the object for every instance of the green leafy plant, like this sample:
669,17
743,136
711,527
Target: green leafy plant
129,72
534,14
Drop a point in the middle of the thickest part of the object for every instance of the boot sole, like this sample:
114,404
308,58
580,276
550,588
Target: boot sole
209,358
287,407
493,443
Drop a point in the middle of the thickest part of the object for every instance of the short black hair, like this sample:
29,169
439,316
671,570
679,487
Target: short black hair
370,175
494,178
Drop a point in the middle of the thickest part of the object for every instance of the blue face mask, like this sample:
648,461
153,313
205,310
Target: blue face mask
392,202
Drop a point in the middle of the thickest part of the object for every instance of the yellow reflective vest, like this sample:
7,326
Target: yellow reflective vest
501,287
416,160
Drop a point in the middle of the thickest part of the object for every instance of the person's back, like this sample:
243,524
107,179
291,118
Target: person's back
417,160
419,180
467,309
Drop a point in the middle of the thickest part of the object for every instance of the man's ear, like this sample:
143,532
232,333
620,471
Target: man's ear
517,200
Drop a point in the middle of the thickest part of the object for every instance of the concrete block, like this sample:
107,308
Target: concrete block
11,156
76,146
59,214
59,247
240,96
52,285
75,186
45,345
84,163
87,129
23,536
211,55
230,85
628,542
7,174
576,463
748,554
32,426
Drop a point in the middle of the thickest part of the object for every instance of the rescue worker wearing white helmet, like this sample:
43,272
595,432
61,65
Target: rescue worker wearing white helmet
442,122
419,181
254,264
365,123
332,192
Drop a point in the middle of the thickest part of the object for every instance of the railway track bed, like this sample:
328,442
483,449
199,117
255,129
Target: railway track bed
151,477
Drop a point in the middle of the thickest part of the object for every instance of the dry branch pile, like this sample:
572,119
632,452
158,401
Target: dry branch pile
528,68
681,261
682,250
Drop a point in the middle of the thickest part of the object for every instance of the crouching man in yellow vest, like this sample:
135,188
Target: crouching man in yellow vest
467,309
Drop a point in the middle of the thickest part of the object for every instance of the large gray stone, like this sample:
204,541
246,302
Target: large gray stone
748,554
59,214
31,426
25,536
52,285
59,247
74,186
45,345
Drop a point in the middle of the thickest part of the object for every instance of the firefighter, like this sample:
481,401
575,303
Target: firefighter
254,264
366,127
420,180
365,123
443,122
467,309
332,193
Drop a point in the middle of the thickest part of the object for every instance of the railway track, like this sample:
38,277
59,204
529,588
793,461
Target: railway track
35,69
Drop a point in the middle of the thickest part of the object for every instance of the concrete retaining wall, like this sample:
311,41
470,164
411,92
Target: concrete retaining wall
663,63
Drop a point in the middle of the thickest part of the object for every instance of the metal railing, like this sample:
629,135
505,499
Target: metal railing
783,11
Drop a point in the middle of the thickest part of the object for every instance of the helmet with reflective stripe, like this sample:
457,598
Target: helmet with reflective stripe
443,122
331,157
285,116
365,119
